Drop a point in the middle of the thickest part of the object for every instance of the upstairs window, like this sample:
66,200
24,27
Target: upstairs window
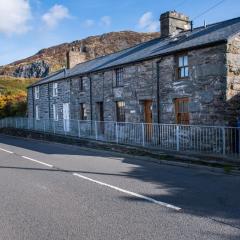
182,110
37,113
55,113
118,77
55,89
36,92
120,110
83,111
183,68
81,85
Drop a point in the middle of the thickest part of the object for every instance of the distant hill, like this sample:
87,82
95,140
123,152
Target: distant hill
54,58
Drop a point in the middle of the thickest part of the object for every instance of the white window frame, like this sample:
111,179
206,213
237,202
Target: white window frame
55,89
37,112
119,77
183,66
36,92
55,112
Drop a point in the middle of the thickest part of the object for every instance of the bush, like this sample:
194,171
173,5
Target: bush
13,96
12,105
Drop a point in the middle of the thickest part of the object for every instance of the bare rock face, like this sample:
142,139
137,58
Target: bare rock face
36,69
54,58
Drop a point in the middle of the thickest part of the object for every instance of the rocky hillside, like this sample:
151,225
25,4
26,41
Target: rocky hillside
54,58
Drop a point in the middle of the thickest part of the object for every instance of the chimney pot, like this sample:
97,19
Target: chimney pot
75,57
173,22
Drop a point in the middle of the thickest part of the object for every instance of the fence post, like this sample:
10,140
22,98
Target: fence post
64,126
44,127
224,140
143,135
54,130
178,137
96,130
116,130
79,131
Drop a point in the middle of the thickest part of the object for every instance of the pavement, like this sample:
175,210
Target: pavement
57,191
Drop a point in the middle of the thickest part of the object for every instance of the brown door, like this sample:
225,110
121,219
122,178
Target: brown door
148,119
182,110
100,117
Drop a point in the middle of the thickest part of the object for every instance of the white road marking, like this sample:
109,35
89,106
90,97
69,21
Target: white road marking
129,193
34,160
106,185
4,150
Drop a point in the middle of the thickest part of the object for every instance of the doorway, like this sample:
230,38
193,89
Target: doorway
66,117
100,116
148,119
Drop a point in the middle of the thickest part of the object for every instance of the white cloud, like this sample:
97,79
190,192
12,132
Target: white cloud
15,15
54,15
147,22
89,23
105,21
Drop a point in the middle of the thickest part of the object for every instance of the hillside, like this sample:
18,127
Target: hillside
11,85
13,96
54,58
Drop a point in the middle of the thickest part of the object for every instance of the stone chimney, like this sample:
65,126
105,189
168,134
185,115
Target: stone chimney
75,57
173,22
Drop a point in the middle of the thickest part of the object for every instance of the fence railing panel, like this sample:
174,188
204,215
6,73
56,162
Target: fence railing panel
188,138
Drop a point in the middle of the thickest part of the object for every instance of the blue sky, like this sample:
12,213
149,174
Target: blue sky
26,26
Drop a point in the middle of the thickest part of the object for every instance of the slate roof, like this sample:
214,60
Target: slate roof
214,33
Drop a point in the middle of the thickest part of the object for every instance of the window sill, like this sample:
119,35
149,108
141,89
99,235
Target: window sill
182,79
118,86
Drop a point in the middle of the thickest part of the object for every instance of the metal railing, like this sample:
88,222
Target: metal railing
189,138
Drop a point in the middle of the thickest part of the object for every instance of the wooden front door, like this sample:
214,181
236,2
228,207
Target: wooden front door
100,116
148,119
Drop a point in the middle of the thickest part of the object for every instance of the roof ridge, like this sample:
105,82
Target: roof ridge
139,44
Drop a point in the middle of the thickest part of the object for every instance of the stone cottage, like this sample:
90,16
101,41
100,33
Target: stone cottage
186,76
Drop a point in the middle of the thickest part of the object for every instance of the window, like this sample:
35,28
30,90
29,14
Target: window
183,69
36,91
83,111
119,77
37,113
81,85
55,112
120,110
182,110
55,89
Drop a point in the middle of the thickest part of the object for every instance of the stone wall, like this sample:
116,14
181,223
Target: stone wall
233,78
205,87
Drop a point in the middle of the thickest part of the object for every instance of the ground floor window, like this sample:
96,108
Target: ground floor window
37,112
120,110
83,111
182,110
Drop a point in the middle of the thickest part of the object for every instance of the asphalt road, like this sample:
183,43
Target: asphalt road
55,191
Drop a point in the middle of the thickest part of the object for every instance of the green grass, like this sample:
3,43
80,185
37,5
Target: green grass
11,85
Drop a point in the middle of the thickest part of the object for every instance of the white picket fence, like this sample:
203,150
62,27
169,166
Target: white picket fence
189,138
